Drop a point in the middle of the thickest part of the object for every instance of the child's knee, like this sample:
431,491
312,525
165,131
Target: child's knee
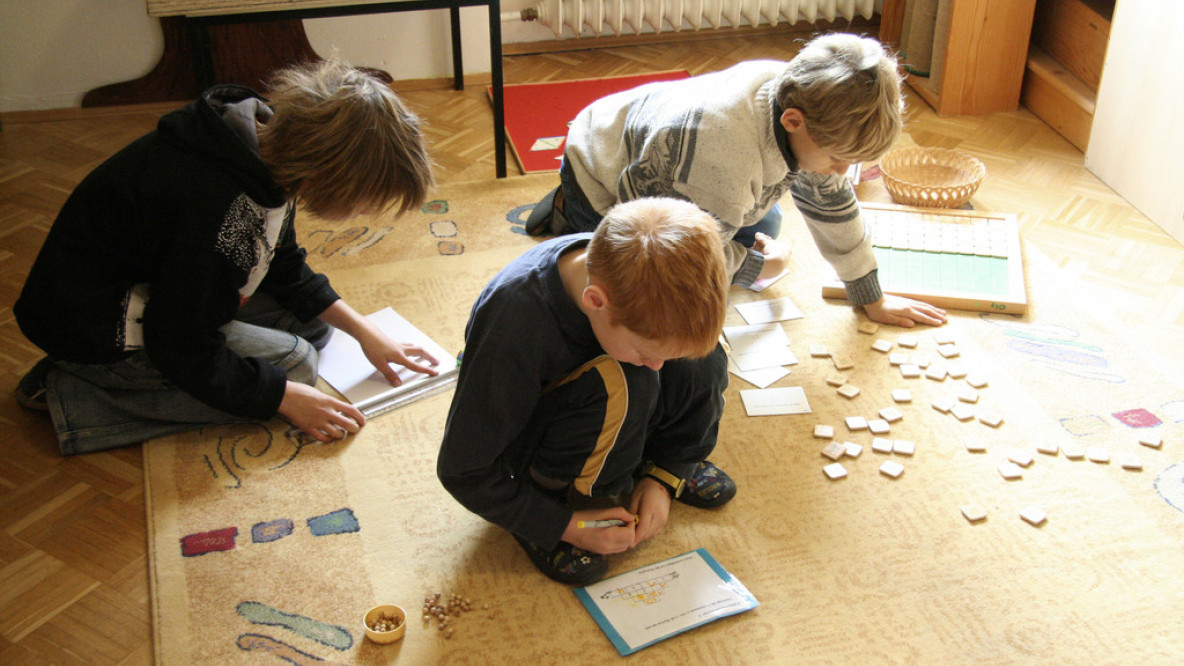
301,363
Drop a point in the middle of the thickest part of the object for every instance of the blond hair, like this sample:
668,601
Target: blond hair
661,262
341,141
848,89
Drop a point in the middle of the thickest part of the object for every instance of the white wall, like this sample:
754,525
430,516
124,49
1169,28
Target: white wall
1137,135
53,51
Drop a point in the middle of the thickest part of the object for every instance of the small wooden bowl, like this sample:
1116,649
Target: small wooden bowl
931,177
390,611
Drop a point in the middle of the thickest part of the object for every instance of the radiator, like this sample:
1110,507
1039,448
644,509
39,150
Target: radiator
580,18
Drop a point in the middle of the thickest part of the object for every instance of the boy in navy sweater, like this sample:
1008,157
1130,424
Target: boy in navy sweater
591,387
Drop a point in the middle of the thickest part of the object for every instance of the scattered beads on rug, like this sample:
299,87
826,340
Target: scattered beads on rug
446,612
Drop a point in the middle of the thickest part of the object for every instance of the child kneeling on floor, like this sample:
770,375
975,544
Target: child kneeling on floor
592,387
171,293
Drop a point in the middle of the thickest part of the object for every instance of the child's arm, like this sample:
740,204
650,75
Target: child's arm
378,347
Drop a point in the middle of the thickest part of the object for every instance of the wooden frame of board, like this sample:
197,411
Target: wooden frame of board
1007,292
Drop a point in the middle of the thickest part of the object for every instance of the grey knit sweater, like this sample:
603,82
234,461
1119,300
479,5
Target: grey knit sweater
713,139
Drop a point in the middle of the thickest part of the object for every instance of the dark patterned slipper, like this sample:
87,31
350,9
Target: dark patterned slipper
709,487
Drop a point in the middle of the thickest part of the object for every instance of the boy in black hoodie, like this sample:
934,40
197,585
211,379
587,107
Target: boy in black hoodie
171,294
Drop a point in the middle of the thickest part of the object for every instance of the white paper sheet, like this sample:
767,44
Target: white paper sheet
763,312
760,378
345,367
775,401
759,346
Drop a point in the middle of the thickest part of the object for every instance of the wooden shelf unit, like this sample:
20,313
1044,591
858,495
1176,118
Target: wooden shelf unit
984,47
1064,68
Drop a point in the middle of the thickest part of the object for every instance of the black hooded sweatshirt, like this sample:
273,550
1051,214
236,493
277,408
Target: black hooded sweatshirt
161,244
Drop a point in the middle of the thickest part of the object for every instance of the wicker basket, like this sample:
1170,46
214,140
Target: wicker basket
931,177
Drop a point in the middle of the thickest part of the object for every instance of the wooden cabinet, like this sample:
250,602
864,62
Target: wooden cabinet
982,47
1069,39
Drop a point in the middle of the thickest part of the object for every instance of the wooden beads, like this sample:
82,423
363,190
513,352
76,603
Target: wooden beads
385,622
445,613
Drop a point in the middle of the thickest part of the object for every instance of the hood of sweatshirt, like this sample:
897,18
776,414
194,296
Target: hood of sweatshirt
221,124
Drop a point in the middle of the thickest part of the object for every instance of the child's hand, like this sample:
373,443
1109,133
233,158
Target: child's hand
320,416
381,351
651,503
776,255
905,312
603,540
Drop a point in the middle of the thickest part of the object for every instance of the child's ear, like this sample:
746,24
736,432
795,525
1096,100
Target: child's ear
793,120
595,298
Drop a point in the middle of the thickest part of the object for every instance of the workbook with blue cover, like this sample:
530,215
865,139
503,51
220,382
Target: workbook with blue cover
652,603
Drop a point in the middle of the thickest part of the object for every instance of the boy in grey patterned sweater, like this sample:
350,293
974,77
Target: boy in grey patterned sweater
734,142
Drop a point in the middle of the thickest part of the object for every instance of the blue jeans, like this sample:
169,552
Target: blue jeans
581,216
102,406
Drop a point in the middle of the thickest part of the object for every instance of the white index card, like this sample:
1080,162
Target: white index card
760,377
774,401
772,310
762,284
759,346
547,143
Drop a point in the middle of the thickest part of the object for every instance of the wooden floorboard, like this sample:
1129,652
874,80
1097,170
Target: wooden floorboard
73,558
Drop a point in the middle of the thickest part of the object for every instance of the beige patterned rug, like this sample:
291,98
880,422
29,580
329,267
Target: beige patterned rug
266,551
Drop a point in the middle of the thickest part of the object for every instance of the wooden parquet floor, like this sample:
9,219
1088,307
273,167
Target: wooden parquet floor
73,558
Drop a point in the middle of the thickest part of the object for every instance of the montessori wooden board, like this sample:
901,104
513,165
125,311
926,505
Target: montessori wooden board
951,258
